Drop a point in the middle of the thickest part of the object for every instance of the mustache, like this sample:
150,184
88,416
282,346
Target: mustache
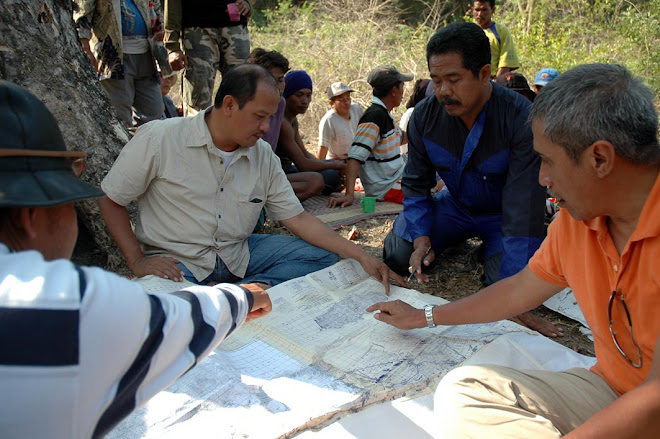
449,101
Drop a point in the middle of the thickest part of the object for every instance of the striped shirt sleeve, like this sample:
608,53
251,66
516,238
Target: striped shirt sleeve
83,347
154,339
365,140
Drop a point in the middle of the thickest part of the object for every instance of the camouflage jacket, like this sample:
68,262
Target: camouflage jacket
100,22
174,20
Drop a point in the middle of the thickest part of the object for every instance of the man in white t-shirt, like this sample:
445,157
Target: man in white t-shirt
337,128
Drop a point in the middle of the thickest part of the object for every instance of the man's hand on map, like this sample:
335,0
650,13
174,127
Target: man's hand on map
399,314
160,266
380,271
262,304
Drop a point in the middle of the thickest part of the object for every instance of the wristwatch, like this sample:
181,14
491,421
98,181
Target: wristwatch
428,313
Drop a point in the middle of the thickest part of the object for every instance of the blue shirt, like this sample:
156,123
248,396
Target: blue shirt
489,169
132,23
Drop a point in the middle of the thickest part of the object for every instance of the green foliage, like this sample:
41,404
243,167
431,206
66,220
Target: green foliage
332,50
343,40
564,34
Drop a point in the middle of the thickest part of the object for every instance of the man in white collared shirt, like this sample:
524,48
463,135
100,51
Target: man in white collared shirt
201,183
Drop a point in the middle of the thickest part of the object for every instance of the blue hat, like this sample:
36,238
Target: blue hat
296,80
545,75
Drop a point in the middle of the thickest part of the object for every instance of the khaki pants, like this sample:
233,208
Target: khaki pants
499,402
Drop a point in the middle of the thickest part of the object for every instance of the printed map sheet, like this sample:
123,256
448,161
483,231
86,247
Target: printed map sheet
317,356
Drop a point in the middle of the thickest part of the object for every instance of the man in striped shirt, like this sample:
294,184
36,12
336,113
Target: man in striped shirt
80,347
375,152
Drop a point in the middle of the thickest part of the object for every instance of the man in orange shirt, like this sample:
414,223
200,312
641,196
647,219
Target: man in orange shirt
595,129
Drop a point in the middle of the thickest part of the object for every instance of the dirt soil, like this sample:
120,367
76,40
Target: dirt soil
457,274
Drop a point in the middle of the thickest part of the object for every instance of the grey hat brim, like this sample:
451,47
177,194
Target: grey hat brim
43,188
405,77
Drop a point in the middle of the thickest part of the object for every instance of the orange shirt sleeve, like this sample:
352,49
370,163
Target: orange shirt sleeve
547,262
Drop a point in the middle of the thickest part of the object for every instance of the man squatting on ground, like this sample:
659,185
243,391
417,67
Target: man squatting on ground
80,347
201,183
473,134
595,129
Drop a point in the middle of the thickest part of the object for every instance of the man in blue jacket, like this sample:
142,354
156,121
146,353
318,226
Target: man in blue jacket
474,134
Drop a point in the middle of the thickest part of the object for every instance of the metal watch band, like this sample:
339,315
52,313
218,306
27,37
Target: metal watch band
428,313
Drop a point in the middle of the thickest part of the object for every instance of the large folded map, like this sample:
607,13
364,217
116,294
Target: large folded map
317,356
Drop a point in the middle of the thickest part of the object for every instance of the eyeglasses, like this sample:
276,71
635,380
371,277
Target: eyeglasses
610,305
77,158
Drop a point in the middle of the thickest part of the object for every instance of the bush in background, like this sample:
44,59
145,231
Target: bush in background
343,40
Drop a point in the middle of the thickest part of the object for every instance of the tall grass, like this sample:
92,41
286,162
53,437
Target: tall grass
343,40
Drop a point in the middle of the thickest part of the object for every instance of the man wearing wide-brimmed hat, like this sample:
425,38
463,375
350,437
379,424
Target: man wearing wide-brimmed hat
80,347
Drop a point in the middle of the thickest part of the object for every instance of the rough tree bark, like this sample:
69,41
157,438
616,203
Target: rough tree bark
40,50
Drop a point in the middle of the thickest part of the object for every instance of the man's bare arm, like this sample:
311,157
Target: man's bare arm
352,170
296,152
314,231
119,225
636,414
504,299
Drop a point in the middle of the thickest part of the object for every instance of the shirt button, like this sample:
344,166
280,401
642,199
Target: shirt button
484,177
222,189
219,216
616,268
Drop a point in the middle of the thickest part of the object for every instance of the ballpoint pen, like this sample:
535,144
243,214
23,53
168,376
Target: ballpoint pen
412,272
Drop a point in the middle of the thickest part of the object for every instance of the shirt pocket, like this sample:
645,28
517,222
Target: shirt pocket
249,208
495,169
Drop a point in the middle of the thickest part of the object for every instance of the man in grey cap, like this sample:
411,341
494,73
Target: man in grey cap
375,153
80,347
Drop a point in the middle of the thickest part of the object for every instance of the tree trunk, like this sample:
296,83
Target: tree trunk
40,50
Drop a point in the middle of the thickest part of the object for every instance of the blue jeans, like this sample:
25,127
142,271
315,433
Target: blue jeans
273,259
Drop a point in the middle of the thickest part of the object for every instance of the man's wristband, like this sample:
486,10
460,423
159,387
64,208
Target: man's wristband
428,313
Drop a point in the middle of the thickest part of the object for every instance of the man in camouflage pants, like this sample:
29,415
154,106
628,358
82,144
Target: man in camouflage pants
214,36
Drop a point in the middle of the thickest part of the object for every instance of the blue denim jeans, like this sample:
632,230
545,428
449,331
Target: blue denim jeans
273,259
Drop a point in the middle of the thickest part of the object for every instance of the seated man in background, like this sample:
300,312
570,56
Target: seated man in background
337,127
201,183
418,94
375,152
543,77
277,65
474,135
169,108
517,82
301,167
596,131
80,347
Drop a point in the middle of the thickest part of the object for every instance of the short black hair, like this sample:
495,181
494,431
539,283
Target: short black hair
241,82
381,92
491,2
268,59
466,39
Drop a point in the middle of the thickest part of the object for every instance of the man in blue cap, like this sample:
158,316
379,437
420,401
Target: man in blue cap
80,347
543,77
